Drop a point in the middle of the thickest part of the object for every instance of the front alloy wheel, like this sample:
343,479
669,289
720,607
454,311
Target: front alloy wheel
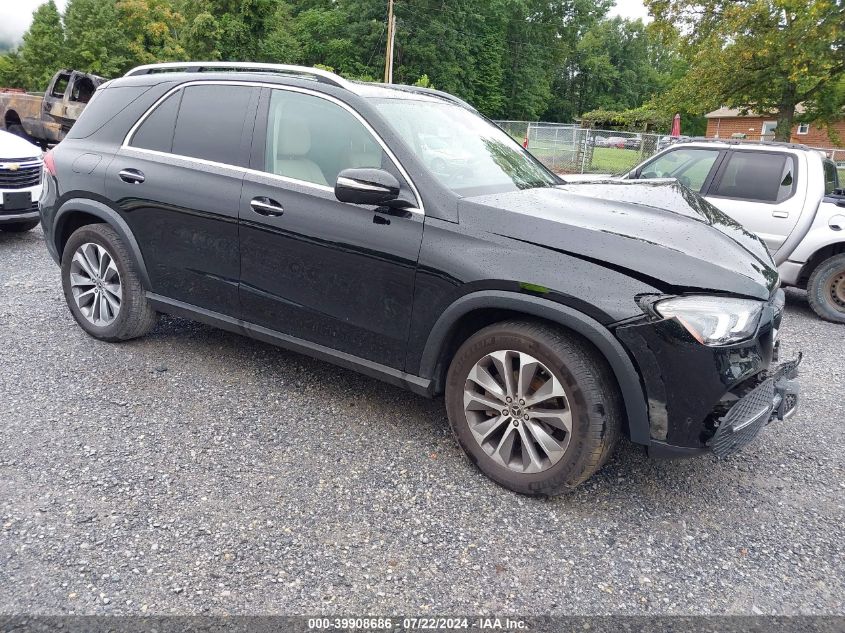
95,284
518,411
535,406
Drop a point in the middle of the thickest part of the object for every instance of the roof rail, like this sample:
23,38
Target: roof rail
743,141
426,91
318,74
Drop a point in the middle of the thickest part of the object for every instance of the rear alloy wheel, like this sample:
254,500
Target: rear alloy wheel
95,284
826,289
102,287
535,407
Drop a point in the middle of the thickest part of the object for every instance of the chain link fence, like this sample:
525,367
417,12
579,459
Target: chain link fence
570,149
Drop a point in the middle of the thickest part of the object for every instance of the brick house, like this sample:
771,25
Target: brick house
725,122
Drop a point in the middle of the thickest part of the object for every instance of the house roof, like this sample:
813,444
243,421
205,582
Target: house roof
727,113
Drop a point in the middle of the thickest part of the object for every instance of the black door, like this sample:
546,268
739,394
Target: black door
334,274
178,185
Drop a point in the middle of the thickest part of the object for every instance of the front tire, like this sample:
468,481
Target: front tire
102,287
19,227
535,407
826,289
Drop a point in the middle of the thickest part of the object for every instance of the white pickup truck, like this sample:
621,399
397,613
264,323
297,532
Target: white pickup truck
787,194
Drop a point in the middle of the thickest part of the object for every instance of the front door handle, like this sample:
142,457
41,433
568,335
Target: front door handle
132,176
266,206
780,214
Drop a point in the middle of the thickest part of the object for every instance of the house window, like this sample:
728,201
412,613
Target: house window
803,128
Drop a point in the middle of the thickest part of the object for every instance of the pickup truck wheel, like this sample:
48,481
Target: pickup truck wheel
102,287
826,289
536,408
19,227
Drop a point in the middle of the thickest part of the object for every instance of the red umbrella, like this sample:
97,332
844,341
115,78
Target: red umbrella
676,126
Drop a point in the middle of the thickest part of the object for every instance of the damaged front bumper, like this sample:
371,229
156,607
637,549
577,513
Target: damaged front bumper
710,398
774,398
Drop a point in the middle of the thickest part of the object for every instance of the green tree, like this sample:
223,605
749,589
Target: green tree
96,42
42,51
151,26
10,71
758,55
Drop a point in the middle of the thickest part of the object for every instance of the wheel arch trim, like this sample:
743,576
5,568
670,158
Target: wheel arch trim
620,363
108,216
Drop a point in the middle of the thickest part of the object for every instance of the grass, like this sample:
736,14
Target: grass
612,160
606,160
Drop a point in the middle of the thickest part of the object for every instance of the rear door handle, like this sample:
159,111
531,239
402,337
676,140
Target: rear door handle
780,214
266,206
132,176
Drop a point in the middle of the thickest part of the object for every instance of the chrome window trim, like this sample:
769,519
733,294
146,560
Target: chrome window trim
253,84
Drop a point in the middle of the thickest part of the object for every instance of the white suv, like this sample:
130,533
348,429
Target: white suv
20,183
787,194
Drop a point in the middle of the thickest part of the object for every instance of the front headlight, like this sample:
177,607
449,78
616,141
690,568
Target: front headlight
714,320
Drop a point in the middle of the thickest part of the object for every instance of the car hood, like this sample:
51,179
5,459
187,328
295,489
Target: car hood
12,146
657,231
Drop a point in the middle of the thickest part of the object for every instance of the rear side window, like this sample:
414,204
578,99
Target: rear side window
831,178
156,132
108,104
210,123
757,176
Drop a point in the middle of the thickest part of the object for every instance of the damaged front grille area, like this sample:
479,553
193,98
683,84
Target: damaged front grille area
775,397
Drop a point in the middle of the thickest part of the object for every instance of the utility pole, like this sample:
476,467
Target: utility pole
391,38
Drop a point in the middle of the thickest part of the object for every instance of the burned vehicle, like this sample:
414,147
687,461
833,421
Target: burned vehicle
46,118
296,207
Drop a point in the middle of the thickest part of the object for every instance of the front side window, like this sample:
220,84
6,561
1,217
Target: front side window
313,139
757,176
466,153
690,166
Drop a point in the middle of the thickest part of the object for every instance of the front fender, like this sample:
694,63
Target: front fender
616,356
108,215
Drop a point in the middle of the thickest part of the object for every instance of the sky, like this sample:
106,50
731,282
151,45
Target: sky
15,15
632,9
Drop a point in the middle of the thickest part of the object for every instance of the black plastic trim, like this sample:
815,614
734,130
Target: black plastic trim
420,386
110,217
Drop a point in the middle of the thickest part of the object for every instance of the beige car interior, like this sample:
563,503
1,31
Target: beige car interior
313,141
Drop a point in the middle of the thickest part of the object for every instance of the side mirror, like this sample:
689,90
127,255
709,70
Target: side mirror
366,186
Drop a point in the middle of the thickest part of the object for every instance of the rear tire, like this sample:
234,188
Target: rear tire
826,289
510,443
102,287
19,227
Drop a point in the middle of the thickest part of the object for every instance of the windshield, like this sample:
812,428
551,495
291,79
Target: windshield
466,153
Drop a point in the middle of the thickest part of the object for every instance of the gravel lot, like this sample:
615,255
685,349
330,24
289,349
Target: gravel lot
199,472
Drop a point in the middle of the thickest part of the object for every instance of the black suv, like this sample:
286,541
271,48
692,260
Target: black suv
395,231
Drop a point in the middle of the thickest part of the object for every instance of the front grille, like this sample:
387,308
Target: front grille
24,174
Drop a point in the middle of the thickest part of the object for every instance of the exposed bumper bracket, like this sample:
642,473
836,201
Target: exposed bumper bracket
776,398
